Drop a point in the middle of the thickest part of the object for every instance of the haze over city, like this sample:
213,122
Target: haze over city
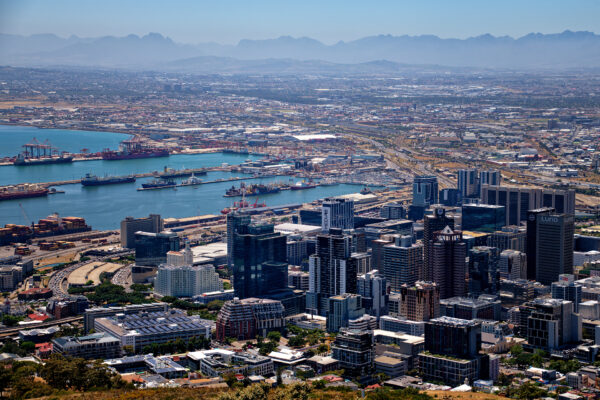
300,200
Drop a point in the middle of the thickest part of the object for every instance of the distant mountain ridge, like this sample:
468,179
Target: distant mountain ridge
154,51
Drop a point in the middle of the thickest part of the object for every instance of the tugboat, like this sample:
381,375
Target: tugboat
159,184
94,180
366,190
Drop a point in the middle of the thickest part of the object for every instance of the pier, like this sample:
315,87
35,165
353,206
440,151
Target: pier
235,178
140,175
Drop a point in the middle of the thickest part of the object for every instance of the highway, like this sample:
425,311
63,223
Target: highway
5,332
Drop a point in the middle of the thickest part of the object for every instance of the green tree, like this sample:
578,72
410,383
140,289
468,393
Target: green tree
274,336
319,384
296,341
215,305
529,391
11,320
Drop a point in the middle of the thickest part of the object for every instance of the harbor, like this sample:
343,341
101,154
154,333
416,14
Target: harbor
275,184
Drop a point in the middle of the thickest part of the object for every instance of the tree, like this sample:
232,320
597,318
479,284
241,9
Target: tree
516,350
11,320
215,305
27,347
296,341
529,391
323,348
319,384
274,336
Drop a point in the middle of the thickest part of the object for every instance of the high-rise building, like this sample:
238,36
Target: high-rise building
519,200
373,288
259,261
235,221
512,265
435,222
377,251
129,226
531,241
337,212
455,337
402,262
420,302
509,237
450,197
362,261
452,352
341,309
468,183
331,270
151,248
567,289
482,217
393,211
483,270
554,249
552,323
492,178
425,190
483,307
298,280
187,280
449,263
244,319
516,292
355,352
297,251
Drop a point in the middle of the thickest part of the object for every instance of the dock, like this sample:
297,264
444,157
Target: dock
140,175
236,178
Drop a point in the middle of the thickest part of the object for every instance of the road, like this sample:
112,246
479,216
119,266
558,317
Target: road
123,278
13,330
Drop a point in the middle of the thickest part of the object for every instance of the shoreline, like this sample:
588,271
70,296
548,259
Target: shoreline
3,123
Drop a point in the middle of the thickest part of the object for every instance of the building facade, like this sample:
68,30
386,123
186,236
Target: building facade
129,226
420,302
449,263
259,261
187,280
337,213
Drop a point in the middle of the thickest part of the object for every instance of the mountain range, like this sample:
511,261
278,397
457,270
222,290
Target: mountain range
382,53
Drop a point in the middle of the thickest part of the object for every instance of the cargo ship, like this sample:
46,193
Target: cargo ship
37,153
93,180
303,185
133,149
159,184
22,191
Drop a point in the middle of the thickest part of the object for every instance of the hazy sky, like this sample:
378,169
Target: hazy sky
327,20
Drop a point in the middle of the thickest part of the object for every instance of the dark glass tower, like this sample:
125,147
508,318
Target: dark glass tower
259,261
